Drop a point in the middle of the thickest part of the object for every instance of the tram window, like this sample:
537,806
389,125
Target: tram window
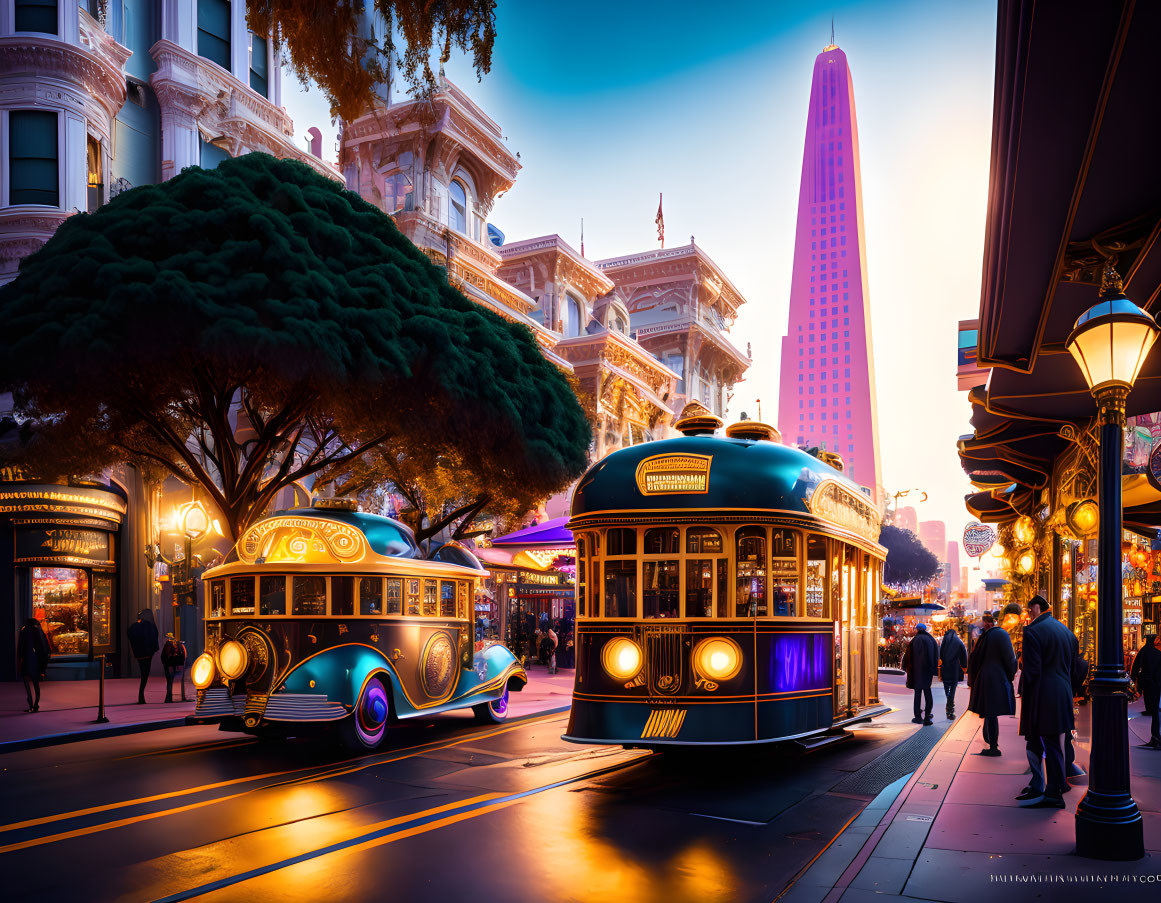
241,595
660,592
751,598
447,599
272,595
621,541
343,596
815,577
595,589
699,587
394,595
662,541
703,540
462,601
371,596
430,598
723,596
580,547
413,596
620,589
581,581
217,598
309,595
784,573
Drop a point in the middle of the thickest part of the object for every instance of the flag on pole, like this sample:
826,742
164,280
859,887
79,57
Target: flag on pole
582,236
660,220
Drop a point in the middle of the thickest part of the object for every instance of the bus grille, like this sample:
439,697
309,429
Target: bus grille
665,660
303,707
664,723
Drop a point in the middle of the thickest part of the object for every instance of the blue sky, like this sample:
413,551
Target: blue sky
610,103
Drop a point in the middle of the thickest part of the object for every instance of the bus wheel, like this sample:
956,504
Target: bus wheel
493,712
367,725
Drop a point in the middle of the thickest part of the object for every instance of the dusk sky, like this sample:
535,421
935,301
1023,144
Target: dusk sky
609,104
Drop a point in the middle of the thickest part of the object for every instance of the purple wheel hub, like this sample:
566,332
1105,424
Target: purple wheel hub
500,706
371,715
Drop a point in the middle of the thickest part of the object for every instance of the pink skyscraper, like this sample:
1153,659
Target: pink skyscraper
827,386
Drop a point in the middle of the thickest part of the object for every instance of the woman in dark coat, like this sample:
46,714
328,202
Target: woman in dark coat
143,643
32,654
952,664
991,668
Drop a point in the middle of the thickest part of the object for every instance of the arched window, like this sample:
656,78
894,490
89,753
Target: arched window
458,208
751,573
572,325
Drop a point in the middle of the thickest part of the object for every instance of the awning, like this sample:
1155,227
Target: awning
550,533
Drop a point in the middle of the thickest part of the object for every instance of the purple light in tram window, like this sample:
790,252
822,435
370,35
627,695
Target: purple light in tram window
800,661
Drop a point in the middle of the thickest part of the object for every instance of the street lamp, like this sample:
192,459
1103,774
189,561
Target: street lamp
1110,343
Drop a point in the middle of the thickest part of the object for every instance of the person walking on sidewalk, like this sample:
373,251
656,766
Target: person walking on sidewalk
143,643
990,671
551,642
1147,675
32,654
172,662
1046,705
952,664
921,662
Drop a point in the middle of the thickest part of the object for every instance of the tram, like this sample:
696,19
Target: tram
332,618
725,592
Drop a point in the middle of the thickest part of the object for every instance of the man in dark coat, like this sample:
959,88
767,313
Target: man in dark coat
1147,674
990,671
1046,705
32,652
143,643
952,664
921,662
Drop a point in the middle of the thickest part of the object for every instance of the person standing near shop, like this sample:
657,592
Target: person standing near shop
32,654
952,665
172,663
143,644
1046,705
921,662
551,642
991,668
1147,675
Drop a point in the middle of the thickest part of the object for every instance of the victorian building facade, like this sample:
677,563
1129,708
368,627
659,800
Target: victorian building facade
97,98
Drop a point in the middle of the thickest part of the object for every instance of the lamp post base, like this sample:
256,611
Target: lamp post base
1111,830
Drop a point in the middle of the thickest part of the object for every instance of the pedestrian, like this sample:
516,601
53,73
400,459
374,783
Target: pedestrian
1147,674
952,665
991,668
32,652
172,662
143,644
552,642
921,662
1046,706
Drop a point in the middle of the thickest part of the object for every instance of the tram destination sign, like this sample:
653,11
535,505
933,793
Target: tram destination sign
833,502
674,474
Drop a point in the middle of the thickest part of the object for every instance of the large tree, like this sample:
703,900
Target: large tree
255,325
908,560
325,44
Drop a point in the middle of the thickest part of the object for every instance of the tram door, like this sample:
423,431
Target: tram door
839,621
852,587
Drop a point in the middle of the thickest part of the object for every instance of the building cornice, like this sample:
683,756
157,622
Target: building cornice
558,256
664,263
99,73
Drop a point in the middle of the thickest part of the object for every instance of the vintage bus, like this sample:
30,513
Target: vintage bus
726,590
334,618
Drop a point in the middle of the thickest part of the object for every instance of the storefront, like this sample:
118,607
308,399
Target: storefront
59,549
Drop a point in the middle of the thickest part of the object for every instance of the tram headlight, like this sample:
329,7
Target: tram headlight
202,671
718,658
232,659
622,658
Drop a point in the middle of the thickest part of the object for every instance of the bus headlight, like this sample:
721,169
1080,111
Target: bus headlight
621,658
232,659
202,671
718,658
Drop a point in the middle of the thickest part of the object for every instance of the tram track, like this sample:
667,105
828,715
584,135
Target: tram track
305,775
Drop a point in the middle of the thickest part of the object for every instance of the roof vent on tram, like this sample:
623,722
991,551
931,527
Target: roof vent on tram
696,420
755,430
339,504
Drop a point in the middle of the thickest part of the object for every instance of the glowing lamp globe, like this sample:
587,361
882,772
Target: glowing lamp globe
1083,517
1110,342
193,519
1025,530
1026,562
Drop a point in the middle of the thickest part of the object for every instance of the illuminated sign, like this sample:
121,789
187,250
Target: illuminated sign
978,538
833,502
673,474
53,499
57,543
545,557
304,540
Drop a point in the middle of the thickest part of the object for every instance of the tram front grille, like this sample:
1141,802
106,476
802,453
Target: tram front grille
665,660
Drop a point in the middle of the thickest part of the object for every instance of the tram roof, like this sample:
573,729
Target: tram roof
718,477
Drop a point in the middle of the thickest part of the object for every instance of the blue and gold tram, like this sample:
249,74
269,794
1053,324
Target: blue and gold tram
725,592
323,617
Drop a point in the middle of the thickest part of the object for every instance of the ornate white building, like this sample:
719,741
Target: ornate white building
90,107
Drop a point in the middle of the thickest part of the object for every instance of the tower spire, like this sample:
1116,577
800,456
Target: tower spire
832,45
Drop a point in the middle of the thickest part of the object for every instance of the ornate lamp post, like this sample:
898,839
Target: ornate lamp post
1110,343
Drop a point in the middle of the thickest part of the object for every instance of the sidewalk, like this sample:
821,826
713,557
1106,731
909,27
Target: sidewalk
69,707
953,833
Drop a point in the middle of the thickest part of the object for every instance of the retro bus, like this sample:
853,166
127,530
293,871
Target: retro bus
726,590
325,617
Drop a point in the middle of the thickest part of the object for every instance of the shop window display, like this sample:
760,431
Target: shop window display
102,619
60,599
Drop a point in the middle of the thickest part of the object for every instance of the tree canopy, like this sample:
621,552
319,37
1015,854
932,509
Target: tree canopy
324,42
908,560
255,325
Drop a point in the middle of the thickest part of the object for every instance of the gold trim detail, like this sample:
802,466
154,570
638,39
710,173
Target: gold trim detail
664,723
684,474
302,540
833,502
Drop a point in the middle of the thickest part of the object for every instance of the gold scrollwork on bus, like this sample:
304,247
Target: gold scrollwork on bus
833,502
303,540
674,474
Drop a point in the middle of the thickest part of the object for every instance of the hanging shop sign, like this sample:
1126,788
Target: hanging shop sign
978,539
832,501
58,544
674,474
